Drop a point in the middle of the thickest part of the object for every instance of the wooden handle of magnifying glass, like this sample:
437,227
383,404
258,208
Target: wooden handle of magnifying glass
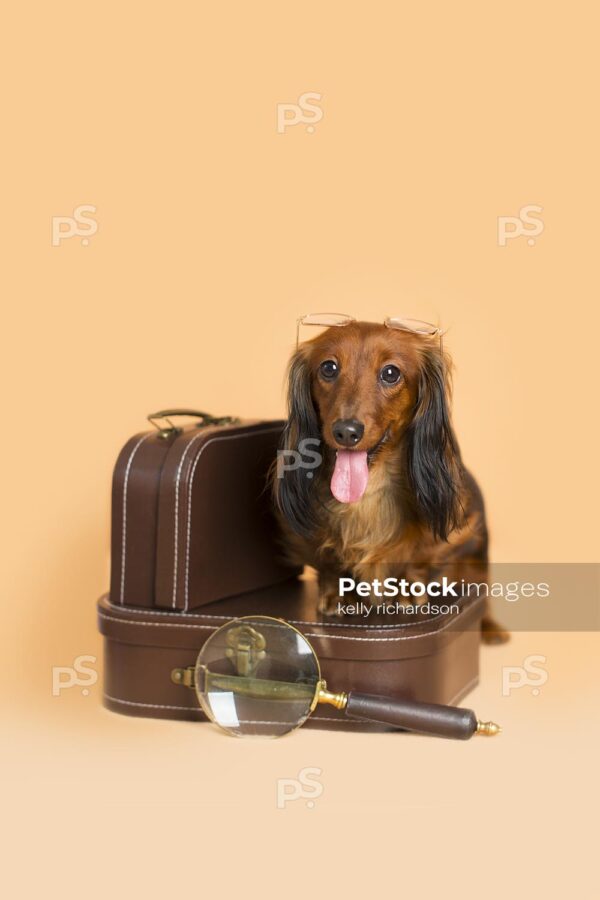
426,718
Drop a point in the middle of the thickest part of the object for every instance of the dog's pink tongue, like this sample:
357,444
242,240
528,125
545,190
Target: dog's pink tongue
350,476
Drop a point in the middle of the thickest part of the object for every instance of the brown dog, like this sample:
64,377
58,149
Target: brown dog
390,496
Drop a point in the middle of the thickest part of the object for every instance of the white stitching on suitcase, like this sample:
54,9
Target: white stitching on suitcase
124,527
331,637
176,537
199,711
193,615
225,437
340,721
155,624
151,705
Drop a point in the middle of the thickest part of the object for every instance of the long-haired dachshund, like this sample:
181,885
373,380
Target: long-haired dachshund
391,496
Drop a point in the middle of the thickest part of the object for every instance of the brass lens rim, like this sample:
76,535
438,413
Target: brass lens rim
199,666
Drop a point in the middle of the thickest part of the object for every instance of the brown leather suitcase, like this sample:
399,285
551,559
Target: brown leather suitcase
431,659
192,519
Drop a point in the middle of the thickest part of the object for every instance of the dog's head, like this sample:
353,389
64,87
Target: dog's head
369,393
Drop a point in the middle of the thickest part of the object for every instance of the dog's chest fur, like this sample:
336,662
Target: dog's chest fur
367,533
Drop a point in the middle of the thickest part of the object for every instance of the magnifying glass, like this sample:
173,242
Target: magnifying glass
258,676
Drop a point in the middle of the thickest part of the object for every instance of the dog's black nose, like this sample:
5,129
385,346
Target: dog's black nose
348,432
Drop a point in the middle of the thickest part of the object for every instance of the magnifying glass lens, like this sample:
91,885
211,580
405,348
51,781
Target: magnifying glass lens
257,676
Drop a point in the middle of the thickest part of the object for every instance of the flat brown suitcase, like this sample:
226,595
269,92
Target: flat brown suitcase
431,659
192,518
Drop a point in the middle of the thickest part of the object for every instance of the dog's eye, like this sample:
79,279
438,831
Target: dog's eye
390,375
329,369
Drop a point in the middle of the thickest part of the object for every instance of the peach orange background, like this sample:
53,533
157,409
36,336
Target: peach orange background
214,233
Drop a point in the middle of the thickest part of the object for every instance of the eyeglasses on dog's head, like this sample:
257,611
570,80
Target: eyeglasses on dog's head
339,320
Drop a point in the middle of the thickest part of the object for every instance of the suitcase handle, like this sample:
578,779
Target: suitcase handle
206,419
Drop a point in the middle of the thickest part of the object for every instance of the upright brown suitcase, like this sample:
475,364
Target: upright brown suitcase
192,519
433,659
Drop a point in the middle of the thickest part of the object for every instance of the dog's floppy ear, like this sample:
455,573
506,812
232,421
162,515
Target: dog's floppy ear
292,485
434,464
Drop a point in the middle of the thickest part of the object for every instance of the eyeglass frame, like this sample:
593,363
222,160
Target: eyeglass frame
436,330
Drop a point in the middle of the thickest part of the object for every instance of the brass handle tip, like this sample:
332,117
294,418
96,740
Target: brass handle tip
489,729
